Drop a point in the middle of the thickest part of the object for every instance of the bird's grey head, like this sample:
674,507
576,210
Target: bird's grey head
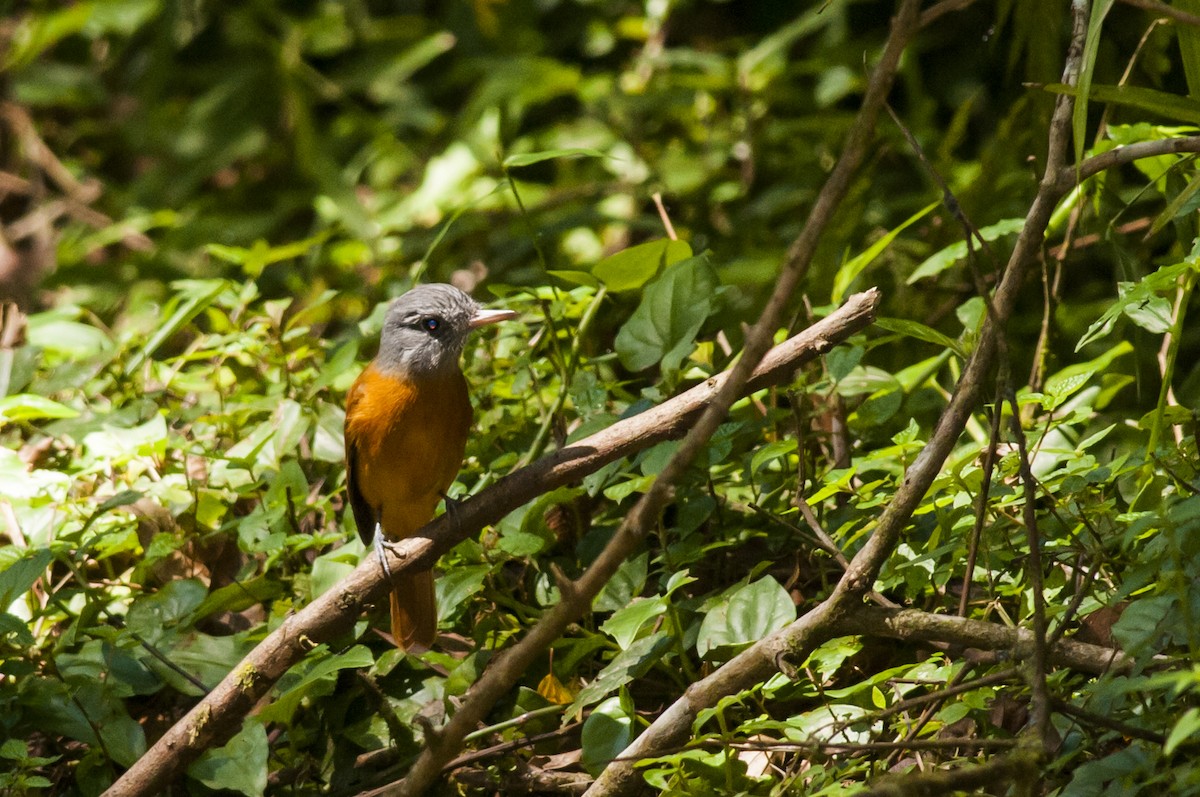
426,329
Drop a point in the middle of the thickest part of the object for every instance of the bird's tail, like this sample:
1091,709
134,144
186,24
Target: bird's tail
414,611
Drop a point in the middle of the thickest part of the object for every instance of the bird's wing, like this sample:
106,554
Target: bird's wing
363,514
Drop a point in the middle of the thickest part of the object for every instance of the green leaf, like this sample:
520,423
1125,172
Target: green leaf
456,586
196,296
317,680
115,445
852,268
772,451
624,625
29,407
829,656
842,360
206,658
1152,314
835,481
38,32
632,268
17,578
121,499
257,257
606,732
521,543
242,595
152,614
239,766
663,328
909,434
291,423
622,490
1141,302
16,628
767,59
632,662
1091,47
1185,728
529,158
626,583
1142,625
1181,203
915,329
331,567
751,613
89,711
943,259
1168,106
14,750
54,332
575,277
1189,46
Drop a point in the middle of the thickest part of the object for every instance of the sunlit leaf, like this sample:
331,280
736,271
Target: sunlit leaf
607,731
239,766
630,269
530,158
662,329
751,613
28,407
850,270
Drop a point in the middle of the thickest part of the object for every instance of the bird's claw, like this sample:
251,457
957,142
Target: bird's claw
452,505
382,542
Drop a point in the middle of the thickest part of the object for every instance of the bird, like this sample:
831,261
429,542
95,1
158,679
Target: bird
408,417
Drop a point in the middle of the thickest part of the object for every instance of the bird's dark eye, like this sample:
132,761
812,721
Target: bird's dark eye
430,324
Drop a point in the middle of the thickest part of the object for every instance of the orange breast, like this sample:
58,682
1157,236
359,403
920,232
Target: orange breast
408,439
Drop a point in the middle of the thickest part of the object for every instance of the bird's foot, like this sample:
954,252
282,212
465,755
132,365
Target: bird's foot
382,542
452,505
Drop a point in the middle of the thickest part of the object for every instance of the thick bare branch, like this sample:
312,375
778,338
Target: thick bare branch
1066,178
917,626
1018,766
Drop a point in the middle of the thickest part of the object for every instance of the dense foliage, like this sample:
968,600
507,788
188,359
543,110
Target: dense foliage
206,206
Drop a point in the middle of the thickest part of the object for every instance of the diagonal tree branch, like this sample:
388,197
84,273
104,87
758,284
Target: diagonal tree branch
576,596
219,715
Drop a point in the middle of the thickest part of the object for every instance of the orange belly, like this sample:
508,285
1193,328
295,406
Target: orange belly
408,440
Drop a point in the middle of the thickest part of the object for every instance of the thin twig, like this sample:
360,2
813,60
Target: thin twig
1123,728
508,747
662,214
1164,10
981,504
935,12
869,747
1041,694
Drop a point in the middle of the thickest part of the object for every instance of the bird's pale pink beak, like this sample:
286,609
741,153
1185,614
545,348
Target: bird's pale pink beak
485,317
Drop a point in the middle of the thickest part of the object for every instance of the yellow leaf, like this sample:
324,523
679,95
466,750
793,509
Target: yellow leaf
553,690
